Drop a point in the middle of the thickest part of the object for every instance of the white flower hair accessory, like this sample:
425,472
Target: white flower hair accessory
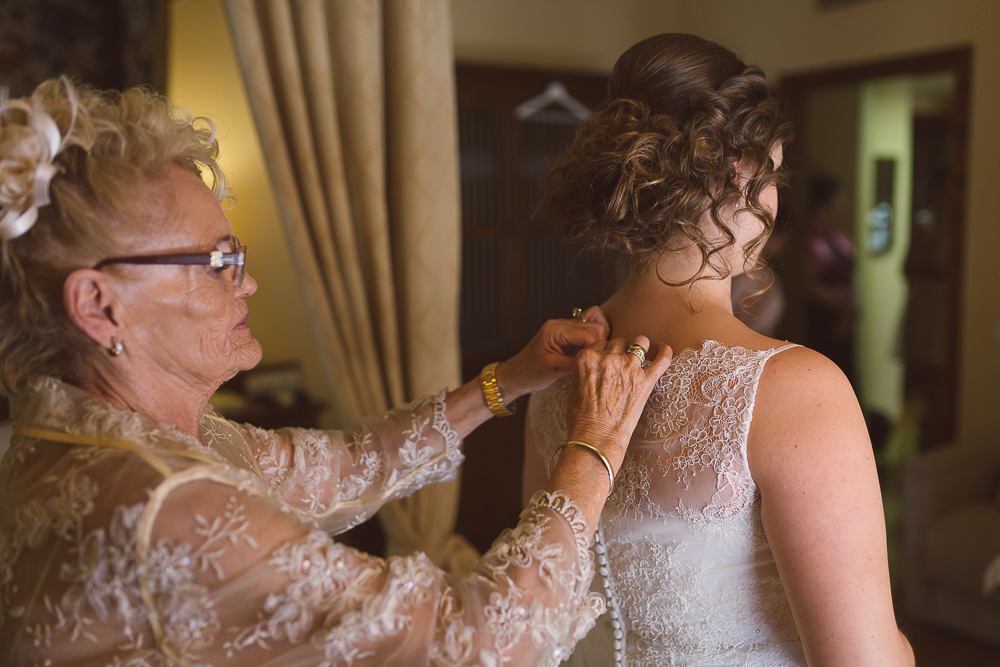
16,220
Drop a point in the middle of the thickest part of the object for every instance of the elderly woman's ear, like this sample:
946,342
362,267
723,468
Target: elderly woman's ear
91,303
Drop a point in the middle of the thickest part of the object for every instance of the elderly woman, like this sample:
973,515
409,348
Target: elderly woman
139,528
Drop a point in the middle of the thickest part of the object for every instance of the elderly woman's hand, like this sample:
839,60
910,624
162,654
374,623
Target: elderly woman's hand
549,354
547,357
609,391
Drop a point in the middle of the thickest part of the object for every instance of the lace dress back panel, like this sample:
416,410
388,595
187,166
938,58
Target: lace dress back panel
689,566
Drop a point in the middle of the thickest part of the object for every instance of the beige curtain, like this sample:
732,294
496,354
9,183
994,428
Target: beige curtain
354,101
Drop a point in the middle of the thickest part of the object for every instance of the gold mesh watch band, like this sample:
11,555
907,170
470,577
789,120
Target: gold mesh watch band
491,391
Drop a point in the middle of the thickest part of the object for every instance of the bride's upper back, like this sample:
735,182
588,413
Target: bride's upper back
689,451
700,413
691,569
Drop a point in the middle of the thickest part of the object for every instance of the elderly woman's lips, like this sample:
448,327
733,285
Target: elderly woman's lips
242,324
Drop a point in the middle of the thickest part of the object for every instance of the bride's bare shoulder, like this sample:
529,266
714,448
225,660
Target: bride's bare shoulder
805,404
790,371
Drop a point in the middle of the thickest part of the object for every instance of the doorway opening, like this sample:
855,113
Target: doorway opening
877,210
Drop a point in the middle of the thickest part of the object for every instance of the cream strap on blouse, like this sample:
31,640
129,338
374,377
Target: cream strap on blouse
112,443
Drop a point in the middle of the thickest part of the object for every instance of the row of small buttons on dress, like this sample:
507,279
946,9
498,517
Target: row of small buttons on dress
616,617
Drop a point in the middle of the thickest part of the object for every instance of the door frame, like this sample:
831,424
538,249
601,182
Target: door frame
796,87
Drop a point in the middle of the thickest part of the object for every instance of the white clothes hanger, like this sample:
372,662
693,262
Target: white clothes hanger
571,111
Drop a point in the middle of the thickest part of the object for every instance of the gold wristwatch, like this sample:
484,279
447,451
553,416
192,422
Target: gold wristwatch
491,391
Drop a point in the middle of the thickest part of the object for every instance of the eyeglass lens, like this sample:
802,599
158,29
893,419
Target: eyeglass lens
241,266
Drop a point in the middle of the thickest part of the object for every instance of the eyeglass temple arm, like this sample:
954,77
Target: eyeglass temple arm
208,259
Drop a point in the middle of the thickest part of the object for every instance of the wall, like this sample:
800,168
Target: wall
786,36
203,77
885,130
566,34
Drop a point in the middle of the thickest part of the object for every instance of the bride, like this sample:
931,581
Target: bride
746,525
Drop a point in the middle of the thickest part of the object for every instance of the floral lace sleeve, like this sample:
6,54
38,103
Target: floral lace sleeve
341,478
240,580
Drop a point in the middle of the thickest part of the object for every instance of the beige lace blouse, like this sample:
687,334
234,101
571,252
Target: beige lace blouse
126,542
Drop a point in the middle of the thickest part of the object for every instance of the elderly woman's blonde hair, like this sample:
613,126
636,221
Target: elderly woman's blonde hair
113,145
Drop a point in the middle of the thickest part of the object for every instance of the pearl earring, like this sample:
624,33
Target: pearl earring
116,347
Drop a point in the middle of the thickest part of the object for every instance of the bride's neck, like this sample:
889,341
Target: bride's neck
681,315
663,284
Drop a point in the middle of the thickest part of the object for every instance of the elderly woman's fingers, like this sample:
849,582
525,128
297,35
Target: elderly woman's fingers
659,361
638,349
571,335
641,341
549,354
594,315
582,329
610,389
616,345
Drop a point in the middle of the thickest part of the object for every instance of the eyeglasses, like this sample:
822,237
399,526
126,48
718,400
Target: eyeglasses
216,259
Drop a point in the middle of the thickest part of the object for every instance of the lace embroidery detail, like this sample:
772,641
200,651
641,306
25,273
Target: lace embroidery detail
459,643
273,459
569,510
384,615
62,407
105,577
190,621
60,515
684,545
324,581
74,521
509,616
223,438
411,453
323,474
102,580
370,465
414,457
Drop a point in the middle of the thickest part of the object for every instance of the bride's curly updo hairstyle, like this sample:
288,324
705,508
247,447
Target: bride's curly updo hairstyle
75,165
655,167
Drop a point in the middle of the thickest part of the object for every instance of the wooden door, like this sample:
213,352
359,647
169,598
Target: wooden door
517,271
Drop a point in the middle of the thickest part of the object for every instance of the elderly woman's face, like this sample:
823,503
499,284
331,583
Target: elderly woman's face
189,321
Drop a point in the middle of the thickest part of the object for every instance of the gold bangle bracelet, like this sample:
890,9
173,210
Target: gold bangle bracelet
491,391
587,445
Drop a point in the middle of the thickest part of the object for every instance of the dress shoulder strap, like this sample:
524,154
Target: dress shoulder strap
787,346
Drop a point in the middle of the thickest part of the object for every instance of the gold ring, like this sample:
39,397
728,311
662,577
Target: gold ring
578,315
637,351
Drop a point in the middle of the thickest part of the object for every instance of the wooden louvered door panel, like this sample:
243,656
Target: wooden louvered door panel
517,271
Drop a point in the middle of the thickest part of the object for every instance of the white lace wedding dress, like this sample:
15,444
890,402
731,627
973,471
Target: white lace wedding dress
689,574
125,542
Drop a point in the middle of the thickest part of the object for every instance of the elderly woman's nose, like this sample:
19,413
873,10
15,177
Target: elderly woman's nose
248,287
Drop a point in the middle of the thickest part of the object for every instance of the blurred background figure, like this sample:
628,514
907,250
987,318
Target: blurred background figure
762,311
830,293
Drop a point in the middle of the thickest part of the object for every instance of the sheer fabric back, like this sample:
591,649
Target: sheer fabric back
689,565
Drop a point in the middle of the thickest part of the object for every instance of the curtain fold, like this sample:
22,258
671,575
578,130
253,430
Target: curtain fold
354,101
